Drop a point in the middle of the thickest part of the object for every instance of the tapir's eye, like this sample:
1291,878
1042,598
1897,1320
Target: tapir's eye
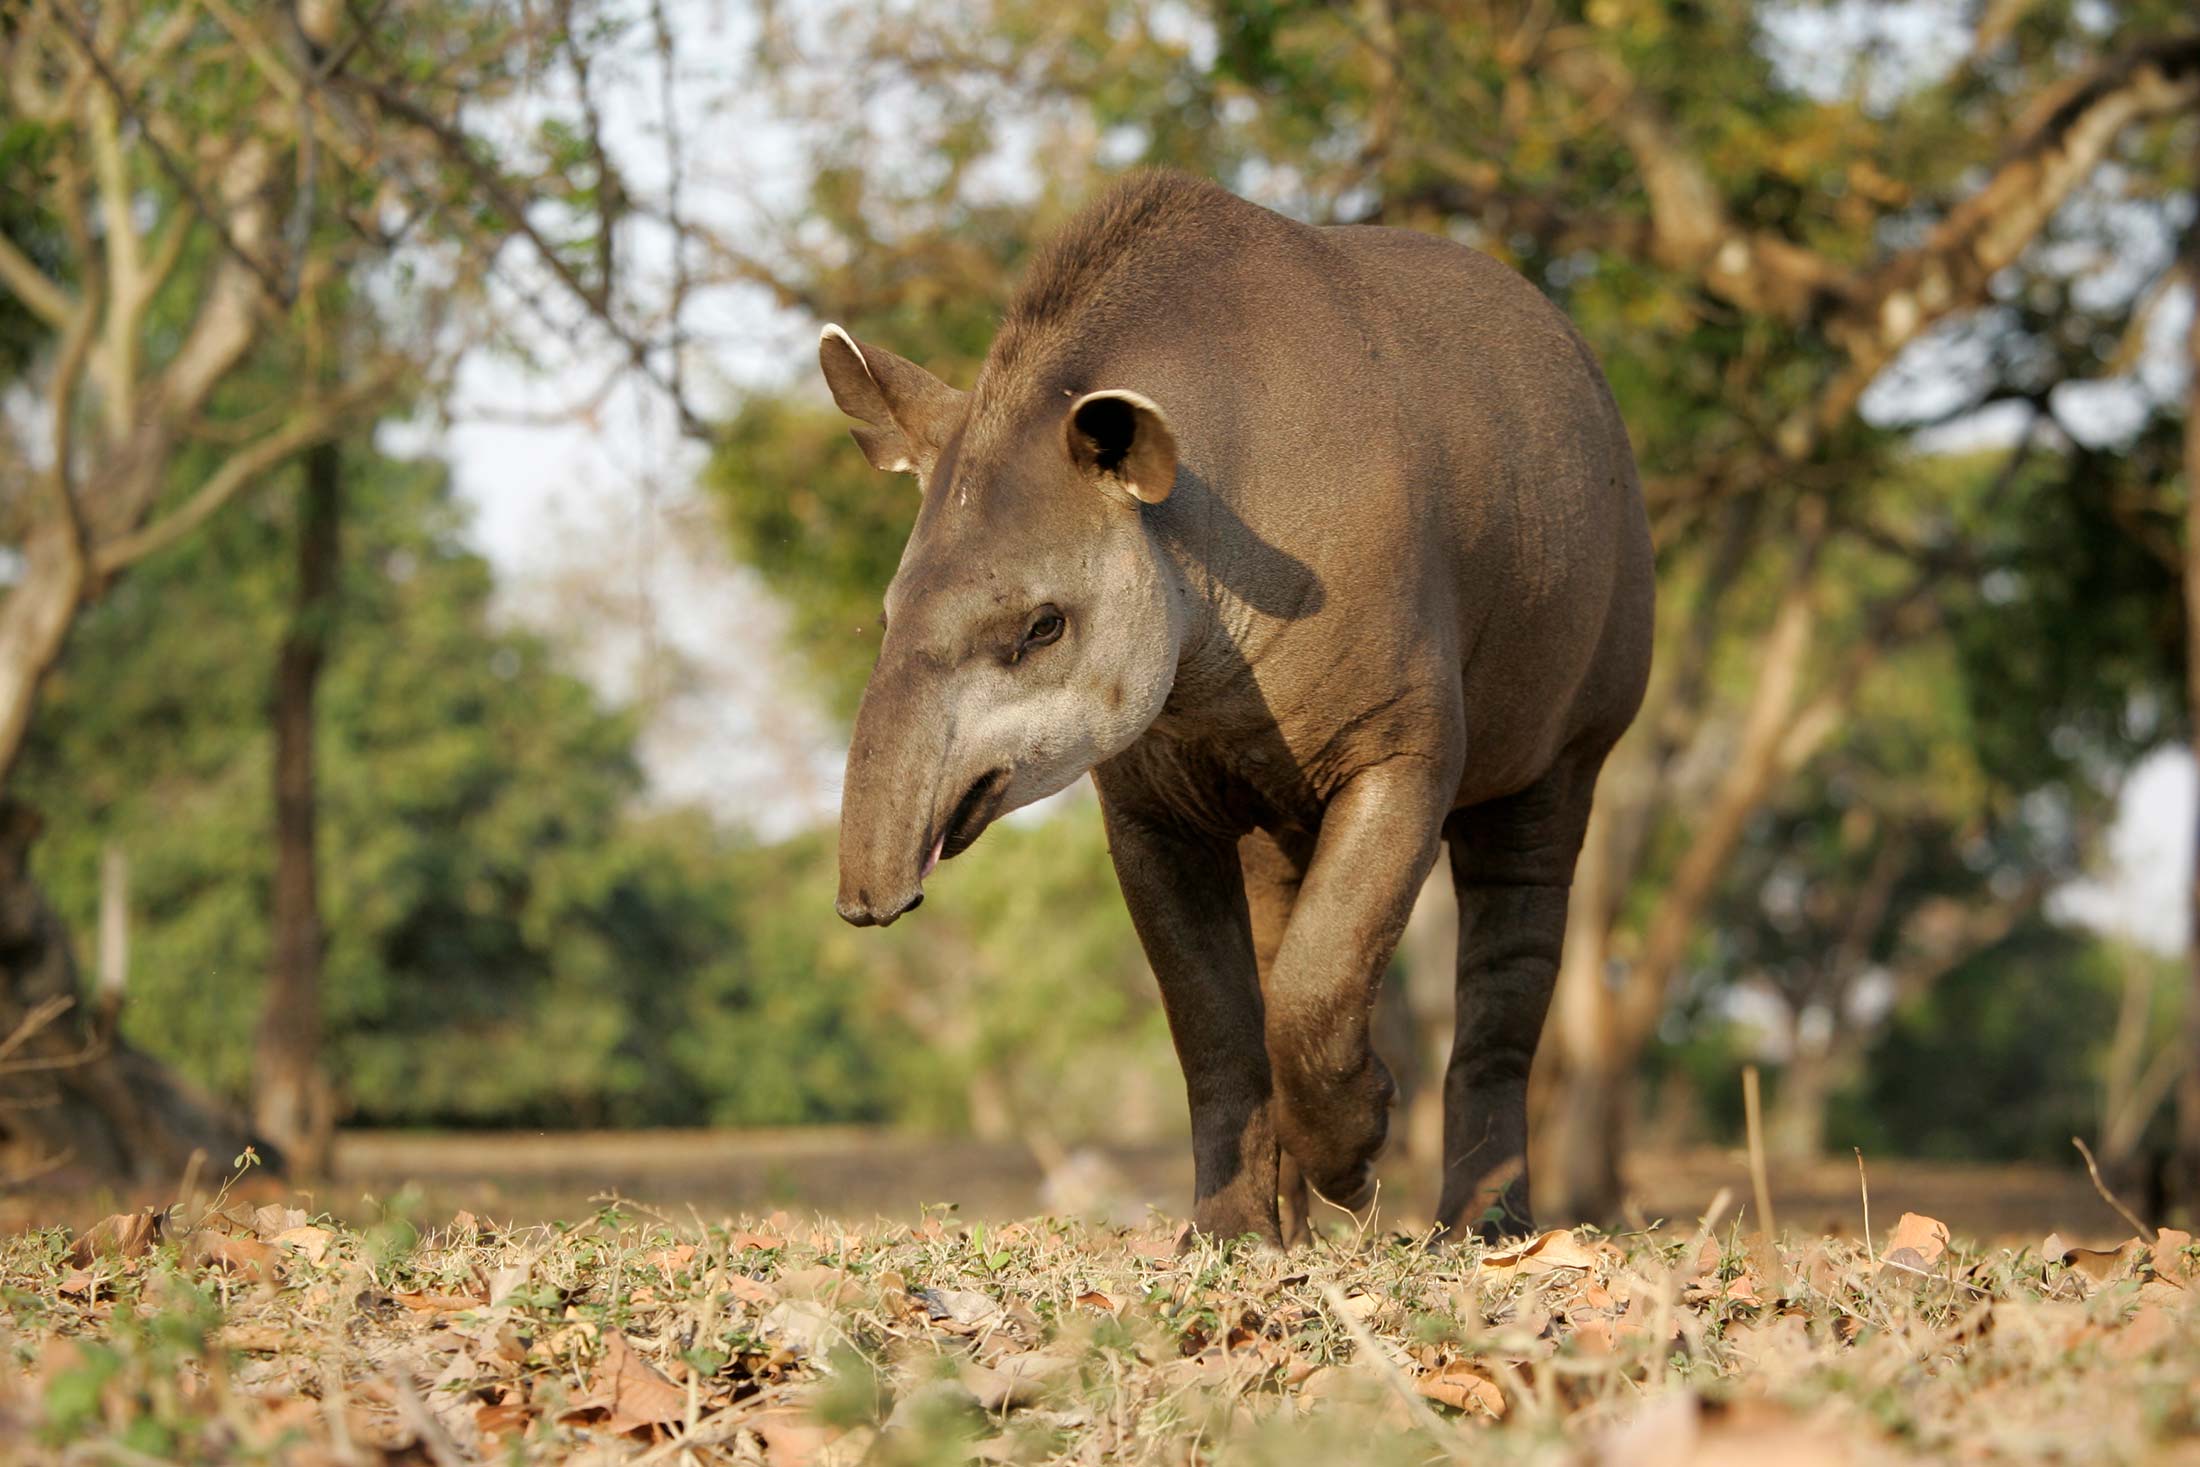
1046,626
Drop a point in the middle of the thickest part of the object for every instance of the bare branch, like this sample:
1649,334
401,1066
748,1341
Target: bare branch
457,149
73,25
48,301
76,351
1690,230
1950,271
318,421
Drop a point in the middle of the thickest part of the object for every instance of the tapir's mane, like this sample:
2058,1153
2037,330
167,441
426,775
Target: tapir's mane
1102,262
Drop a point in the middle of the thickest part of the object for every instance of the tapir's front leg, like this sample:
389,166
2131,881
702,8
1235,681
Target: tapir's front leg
1379,838
1186,897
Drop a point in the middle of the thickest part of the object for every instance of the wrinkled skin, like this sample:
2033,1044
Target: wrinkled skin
1322,550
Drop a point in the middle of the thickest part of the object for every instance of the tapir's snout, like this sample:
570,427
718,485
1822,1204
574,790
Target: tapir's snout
861,911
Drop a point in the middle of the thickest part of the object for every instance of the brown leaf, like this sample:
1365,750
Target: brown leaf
432,1303
742,1239
669,1261
310,1241
751,1291
275,1218
246,1257
77,1281
263,1339
1463,1388
1094,1299
2169,1254
1161,1248
1917,1241
501,1423
125,1235
2103,1264
629,1392
1543,1253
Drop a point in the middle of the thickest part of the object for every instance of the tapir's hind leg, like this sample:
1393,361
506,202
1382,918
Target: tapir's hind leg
1512,863
1273,870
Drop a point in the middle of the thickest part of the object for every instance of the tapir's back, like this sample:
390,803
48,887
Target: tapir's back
1405,417
1512,448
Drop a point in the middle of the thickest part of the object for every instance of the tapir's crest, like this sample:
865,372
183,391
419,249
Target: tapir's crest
1321,550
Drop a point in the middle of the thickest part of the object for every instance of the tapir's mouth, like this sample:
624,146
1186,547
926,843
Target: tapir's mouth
972,813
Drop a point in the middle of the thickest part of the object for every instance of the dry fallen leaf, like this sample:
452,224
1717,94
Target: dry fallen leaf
1917,1241
1543,1253
275,1218
2169,1254
247,1257
310,1241
500,1423
431,1303
125,1235
1464,1388
2103,1264
264,1339
630,1392
751,1291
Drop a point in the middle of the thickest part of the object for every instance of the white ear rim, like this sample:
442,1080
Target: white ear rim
1121,394
1142,403
833,331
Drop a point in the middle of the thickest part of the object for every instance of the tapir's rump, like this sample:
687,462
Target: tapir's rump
1322,550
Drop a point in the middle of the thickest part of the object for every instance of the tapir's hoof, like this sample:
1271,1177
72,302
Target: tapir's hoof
1218,1219
1337,1153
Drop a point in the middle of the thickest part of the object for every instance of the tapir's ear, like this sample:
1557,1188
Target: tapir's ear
910,411
1123,440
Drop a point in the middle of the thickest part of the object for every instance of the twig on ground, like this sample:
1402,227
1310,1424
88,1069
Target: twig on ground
1760,1183
1864,1187
2109,1197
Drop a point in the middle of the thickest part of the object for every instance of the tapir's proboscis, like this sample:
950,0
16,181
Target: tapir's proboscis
1321,550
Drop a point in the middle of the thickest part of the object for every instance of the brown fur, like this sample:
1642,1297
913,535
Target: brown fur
1364,575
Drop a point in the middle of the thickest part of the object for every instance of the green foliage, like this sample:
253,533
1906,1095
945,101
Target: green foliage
1998,1061
493,897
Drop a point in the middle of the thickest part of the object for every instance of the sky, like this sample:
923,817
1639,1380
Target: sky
600,535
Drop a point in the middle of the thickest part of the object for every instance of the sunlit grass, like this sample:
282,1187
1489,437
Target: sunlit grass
266,1335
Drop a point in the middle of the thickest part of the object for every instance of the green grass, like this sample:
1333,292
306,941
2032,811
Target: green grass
241,1336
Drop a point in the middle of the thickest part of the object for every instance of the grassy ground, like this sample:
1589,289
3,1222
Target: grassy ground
221,1332
863,1173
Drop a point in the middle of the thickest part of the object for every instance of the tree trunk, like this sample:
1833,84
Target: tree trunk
1795,1128
74,1098
290,1094
1581,1073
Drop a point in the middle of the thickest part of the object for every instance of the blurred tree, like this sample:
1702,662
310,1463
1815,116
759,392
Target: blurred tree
192,192
492,895
291,1104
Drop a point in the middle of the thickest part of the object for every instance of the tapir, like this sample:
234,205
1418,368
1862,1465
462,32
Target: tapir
1320,549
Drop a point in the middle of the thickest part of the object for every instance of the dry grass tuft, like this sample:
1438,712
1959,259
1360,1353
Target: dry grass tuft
269,1336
